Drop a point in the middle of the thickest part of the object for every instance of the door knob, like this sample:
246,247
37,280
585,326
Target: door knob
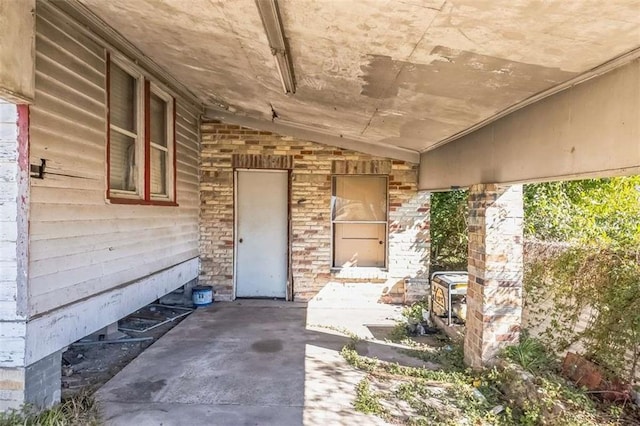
381,242
240,240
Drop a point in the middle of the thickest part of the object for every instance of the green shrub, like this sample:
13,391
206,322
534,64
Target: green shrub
530,354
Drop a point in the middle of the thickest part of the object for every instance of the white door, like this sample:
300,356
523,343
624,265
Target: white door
261,233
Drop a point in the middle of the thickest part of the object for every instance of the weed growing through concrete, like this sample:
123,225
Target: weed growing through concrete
80,410
399,333
454,395
449,357
354,338
368,401
423,396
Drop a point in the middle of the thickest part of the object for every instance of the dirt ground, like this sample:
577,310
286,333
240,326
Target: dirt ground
86,367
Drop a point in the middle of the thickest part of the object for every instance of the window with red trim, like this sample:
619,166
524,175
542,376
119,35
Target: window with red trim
140,138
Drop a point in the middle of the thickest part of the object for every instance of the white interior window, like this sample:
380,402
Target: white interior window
124,130
359,221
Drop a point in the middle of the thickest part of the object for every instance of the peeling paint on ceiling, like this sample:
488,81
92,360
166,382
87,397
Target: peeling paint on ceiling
406,73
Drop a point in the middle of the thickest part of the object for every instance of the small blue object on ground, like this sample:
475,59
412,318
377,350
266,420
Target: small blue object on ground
202,296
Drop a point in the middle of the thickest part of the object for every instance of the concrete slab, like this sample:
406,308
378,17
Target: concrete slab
249,363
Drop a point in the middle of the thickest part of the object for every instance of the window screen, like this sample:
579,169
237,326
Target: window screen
359,219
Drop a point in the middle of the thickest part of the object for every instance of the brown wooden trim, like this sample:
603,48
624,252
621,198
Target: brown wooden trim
138,201
147,140
175,153
108,92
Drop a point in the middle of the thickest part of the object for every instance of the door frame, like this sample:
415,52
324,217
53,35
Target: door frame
289,283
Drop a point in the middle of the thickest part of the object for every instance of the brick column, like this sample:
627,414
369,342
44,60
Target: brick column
494,297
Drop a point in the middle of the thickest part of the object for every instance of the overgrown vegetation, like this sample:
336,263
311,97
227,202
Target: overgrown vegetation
592,212
593,279
81,410
449,237
419,396
596,279
594,286
412,315
525,388
530,354
368,402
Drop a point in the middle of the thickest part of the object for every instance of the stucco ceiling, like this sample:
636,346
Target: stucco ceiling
405,73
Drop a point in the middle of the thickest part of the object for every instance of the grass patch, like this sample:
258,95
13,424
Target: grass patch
80,410
530,354
368,401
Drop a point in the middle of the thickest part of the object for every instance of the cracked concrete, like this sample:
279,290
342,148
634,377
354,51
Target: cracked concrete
252,362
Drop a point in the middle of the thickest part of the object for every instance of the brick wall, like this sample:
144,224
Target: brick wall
39,384
43,379
494,295
311,169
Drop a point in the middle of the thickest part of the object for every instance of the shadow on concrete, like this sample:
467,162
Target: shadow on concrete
250,363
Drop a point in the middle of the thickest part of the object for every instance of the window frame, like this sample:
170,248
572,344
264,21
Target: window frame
144,88
333,266
171,143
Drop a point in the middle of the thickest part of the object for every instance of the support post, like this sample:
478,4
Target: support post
14,206
39,382
494,295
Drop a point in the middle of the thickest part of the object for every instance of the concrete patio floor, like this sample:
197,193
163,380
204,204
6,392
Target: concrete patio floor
251,362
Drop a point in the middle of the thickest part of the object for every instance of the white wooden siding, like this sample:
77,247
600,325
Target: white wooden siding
80,319
12,318
79,244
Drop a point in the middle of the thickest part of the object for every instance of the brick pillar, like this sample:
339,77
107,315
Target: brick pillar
494,297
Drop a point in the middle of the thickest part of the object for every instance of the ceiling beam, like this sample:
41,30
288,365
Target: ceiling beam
314,135
591,130
604,68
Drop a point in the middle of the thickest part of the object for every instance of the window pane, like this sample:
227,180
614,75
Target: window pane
122,111
158,120
359,198
122,160
359,244
158,172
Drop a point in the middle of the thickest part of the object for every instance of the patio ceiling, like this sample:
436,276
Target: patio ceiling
400,73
